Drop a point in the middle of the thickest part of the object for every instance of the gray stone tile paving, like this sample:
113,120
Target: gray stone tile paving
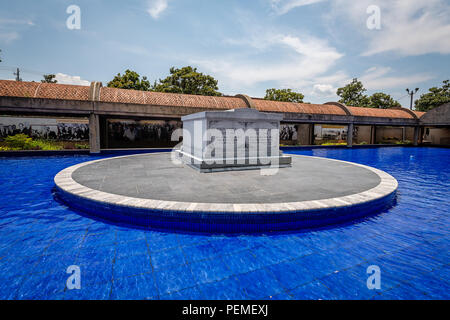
154,176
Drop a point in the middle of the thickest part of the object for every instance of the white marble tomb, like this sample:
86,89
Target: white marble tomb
237,139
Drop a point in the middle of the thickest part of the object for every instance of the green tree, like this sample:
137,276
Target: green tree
286,95
130,80
187,80
383,101
49,78
434,98
353,94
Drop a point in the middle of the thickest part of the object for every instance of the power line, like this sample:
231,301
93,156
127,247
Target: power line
22,71
402,97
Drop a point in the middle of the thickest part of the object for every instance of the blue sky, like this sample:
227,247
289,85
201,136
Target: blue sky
311,46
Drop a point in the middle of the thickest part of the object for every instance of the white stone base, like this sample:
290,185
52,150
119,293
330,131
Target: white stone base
234,164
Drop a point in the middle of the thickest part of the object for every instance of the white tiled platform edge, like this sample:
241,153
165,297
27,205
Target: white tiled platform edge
64,181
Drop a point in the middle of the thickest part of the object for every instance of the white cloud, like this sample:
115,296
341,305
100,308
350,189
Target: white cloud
414,28
300,59
156,7
8,28
337,78
409,28
16,21
379,78
264,56
284,6
326,90
268,56
373,79
8,36
67,79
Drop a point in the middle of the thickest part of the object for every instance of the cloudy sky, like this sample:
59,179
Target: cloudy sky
311,46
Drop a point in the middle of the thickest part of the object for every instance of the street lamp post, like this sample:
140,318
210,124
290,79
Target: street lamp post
411,93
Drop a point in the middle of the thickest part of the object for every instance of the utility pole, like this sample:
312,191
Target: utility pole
17,74
412,93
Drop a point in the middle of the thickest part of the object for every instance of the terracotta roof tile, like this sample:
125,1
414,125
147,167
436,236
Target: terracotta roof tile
43,90
62,91
121,95
267,105
169,99
380,113
18,89
419,113
71,92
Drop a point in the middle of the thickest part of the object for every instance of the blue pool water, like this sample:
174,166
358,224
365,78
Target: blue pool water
40,238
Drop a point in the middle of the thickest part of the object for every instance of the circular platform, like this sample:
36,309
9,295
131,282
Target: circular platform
151,191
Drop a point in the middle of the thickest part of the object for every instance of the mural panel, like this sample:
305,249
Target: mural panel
141,133
288,134
64,129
